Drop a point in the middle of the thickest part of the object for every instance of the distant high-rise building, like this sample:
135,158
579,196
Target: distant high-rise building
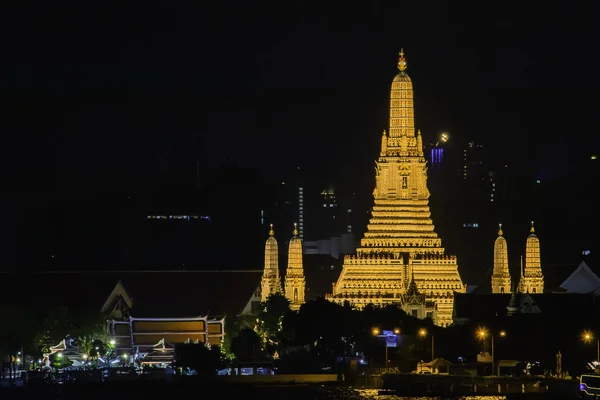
288,201
330,221
301,212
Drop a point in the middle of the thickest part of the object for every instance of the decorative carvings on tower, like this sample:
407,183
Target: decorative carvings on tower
294,275
501,282
533,279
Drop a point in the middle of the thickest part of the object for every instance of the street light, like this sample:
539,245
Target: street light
376,332
482,333
587,337
423,333
444,136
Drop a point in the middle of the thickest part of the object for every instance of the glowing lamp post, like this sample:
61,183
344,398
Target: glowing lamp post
444,137
482,333
423,333
588,337
386,334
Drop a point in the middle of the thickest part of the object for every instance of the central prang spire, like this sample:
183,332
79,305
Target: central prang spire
402,114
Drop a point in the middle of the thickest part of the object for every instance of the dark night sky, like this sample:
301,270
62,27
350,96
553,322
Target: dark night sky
94,94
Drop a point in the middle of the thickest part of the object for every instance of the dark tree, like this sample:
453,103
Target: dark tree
270,318
247,345
205,360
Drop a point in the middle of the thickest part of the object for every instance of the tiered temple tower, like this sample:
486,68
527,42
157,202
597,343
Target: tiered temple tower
270,282
294,275
501,282
400,240
532,280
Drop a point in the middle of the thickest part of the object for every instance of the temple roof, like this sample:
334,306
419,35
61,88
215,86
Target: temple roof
191,293
582,280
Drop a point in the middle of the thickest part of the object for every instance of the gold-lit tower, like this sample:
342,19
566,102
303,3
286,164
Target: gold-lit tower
532,279
501,282
294,274
400,238
270,282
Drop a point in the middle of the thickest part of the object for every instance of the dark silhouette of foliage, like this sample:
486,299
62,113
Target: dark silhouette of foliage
233,326
198,356
272,312
247,345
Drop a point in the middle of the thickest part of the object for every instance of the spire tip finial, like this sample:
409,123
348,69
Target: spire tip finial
295,229
532,230
401,61
499,229
271,231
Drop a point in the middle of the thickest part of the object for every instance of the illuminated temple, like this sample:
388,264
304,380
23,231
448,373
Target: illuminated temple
401,249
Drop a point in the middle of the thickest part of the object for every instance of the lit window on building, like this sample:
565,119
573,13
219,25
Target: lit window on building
349,228
586,252
349,210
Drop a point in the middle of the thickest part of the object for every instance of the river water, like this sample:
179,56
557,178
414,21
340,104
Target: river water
146,390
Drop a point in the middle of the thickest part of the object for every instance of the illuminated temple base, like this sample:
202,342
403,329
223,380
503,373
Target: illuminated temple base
383,280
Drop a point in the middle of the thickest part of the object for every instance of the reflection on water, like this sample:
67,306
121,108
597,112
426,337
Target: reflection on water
333,393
